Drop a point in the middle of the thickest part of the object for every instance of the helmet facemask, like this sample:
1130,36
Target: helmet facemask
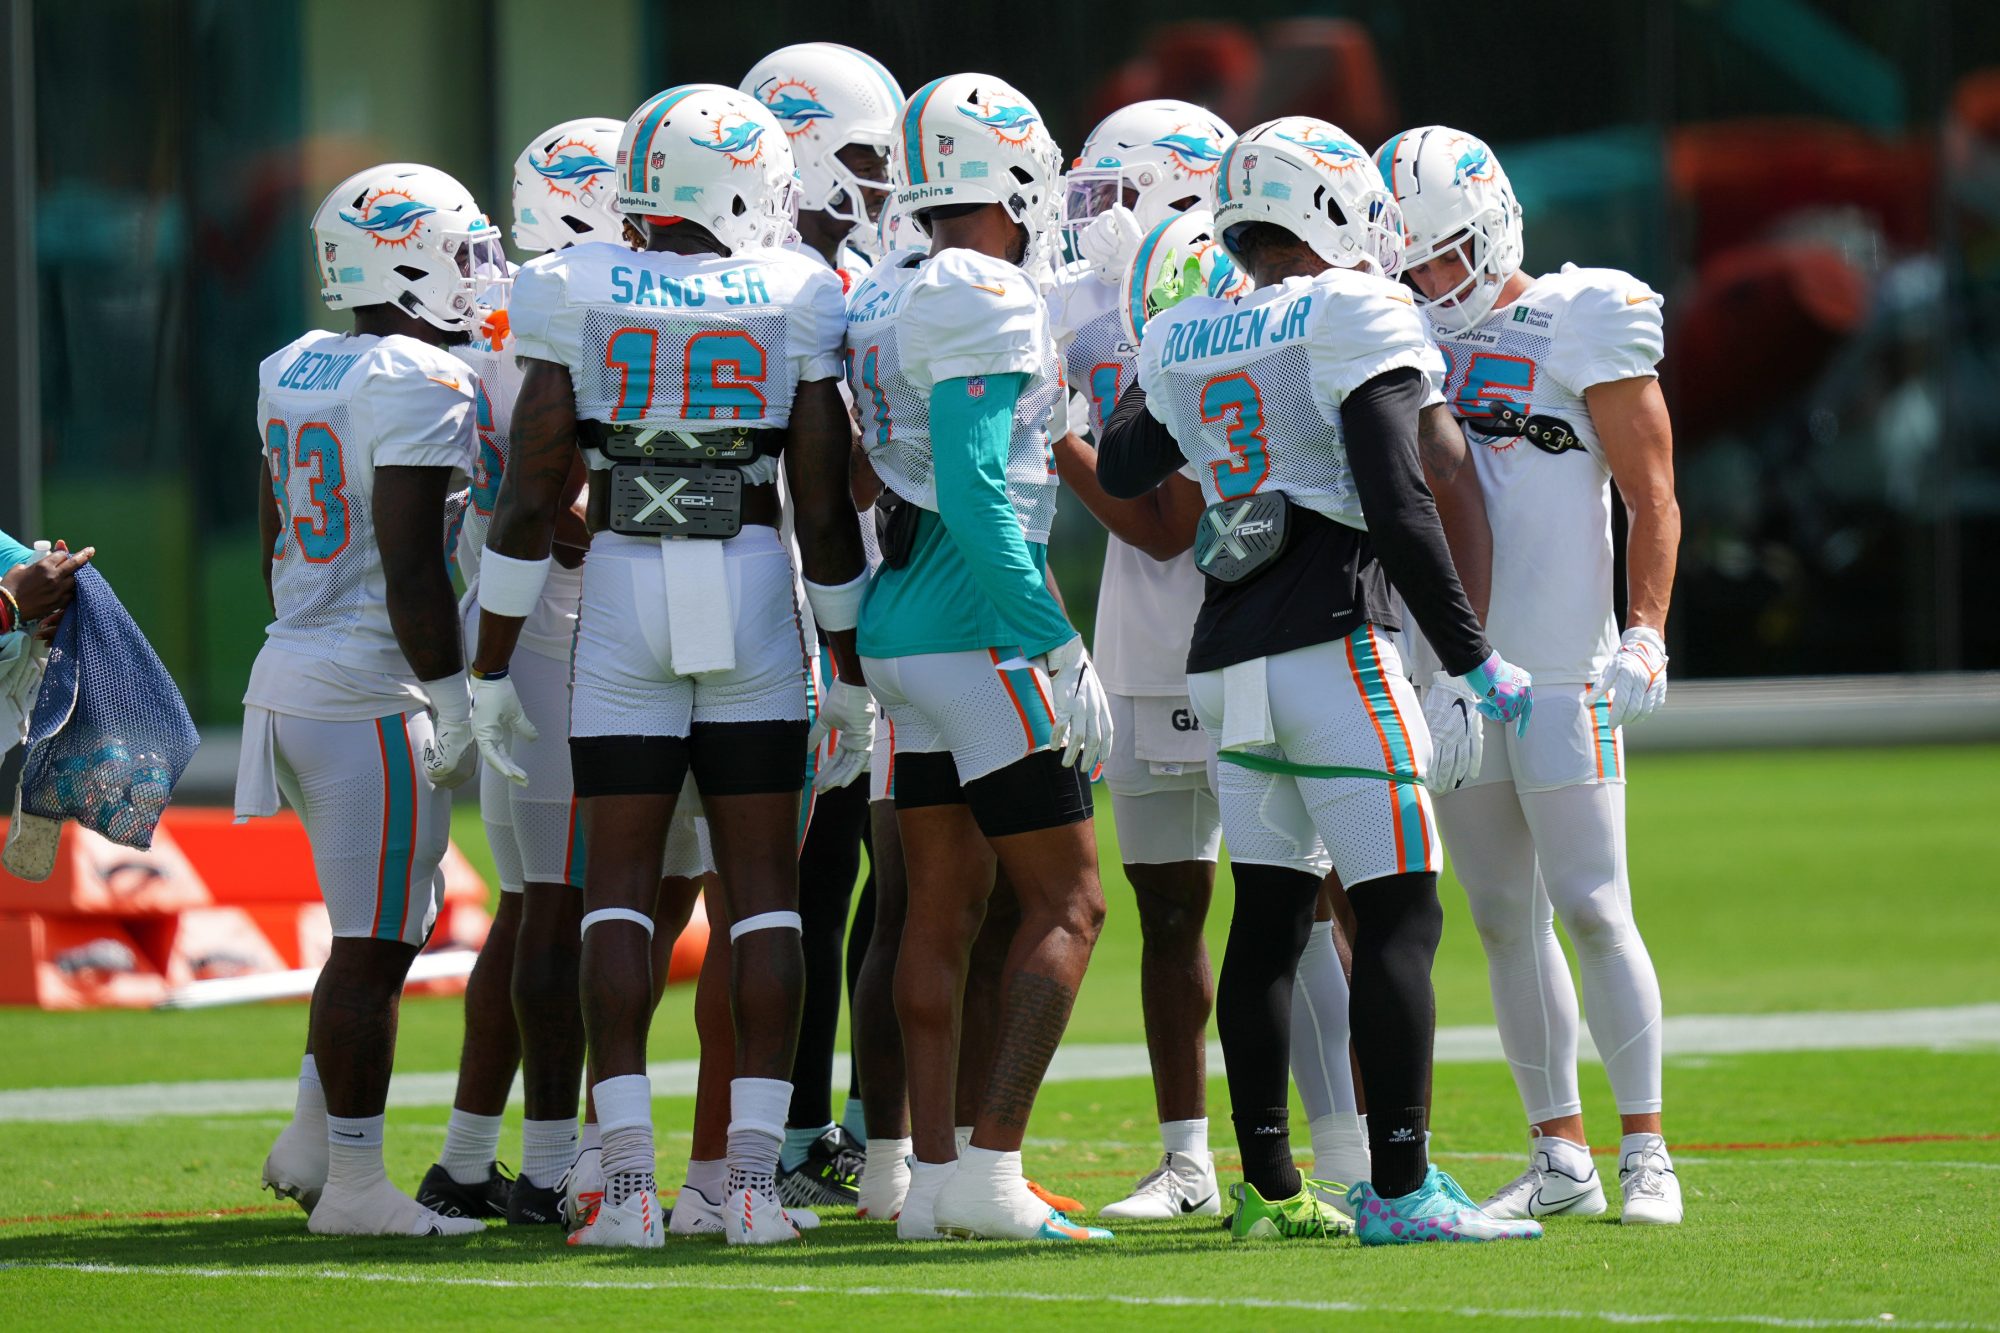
1482,247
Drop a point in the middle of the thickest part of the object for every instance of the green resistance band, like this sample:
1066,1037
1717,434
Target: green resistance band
1265,764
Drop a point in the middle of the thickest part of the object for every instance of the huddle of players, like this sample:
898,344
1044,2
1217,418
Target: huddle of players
1262,449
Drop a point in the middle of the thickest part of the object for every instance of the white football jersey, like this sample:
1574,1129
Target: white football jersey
917,321
684,341
1252,388
1145,607
332,409
551,629
1551,513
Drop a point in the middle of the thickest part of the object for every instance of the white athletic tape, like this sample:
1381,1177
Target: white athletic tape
509,586
837,606
766,921
616,914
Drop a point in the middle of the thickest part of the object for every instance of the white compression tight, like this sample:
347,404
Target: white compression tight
1526,857
1319,1028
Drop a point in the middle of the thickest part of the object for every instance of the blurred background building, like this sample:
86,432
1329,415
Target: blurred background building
1815,185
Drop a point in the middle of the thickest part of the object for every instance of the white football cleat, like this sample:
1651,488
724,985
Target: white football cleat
917,1219
757,1217
583,1189
1652,1190
296,1166
971,1209
694,1214
633,1224
1182,1185
381,1209
1546,1190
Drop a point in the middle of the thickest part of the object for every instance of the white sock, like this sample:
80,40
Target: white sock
930,1175
886,1157
1186,1138
548,1148
960,1136
471,1142
354,1152
757,1109
709,1177
309,1111
1340,1148
592,1137
625,1120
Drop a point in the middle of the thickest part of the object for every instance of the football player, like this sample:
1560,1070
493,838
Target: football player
1300,407
357,707
998,713
562,196
1142,167
1554,380
686,372
838,108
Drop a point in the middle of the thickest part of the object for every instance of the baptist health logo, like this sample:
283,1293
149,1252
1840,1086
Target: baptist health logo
390,217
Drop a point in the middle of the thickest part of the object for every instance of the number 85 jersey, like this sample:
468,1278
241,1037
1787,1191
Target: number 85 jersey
683,341
1252,388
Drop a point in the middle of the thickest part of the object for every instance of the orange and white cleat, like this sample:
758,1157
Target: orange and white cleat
1062,1203
633,1223
757,1217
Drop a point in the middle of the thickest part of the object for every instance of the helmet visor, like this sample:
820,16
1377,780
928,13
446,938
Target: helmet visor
1089,191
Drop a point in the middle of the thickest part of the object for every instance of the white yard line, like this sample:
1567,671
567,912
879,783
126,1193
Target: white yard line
1156,1300
1695,1034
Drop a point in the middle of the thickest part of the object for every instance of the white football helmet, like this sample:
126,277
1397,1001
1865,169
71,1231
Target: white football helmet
406,235
1181,257
1454,196
1164,153
565,187
826,96
972,139
1310,178
711,155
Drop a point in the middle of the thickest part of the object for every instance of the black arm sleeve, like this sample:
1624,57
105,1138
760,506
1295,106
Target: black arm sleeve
1379,420
1137,453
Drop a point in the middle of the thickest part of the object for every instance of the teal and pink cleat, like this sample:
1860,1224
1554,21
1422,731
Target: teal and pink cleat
1437,1210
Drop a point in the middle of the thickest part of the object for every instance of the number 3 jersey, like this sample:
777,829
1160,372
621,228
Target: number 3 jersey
332,410
689,342
1551,513
916,322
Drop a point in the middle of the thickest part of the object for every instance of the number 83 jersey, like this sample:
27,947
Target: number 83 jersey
683,341
1251,388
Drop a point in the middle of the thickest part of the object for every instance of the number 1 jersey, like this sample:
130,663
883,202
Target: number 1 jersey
682,341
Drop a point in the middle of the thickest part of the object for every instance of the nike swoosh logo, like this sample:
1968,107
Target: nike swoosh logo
1638,300
997,291
1187,1207
1398,296
449,384
345,1135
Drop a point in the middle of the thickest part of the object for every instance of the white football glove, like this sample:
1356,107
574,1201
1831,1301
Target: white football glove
497,718
1109,241
1083,711
1458,734
1636,676
848,711
448,752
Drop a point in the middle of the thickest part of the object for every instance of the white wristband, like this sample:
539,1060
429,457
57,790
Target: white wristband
838,606
450,696
510,587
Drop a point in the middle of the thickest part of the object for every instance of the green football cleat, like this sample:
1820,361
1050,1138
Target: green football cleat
1302,1217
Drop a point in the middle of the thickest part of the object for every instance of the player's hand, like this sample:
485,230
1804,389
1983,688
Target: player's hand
497,718
1083,711
1458,734
44,586
448,752
1108,242
847,711
1505,692
1635,679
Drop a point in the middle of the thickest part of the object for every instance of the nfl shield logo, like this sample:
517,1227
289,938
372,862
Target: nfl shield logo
659,160
330,249
976,387
946,145
1249,161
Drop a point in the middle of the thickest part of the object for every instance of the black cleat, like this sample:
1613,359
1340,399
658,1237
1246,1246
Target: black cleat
529,1204
830,1177
441,1193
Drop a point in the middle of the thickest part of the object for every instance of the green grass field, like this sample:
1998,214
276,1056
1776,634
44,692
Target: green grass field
1825,1188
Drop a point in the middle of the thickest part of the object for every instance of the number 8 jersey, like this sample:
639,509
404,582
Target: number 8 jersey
1251,388
682,341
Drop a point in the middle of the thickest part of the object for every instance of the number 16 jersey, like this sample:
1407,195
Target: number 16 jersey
689,342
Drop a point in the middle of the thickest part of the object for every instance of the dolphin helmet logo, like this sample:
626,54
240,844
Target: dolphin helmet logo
794,104
1010,124
390,217
571,168
1336,154
737,138
1196,154
1473,164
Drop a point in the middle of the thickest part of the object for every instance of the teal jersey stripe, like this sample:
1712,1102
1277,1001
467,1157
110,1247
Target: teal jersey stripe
1607,738
913,135
399,828
1041,725
1409,801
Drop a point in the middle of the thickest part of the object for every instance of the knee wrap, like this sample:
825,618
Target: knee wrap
766,921
615,914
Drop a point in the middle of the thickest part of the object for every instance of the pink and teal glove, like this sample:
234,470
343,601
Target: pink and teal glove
1505,692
